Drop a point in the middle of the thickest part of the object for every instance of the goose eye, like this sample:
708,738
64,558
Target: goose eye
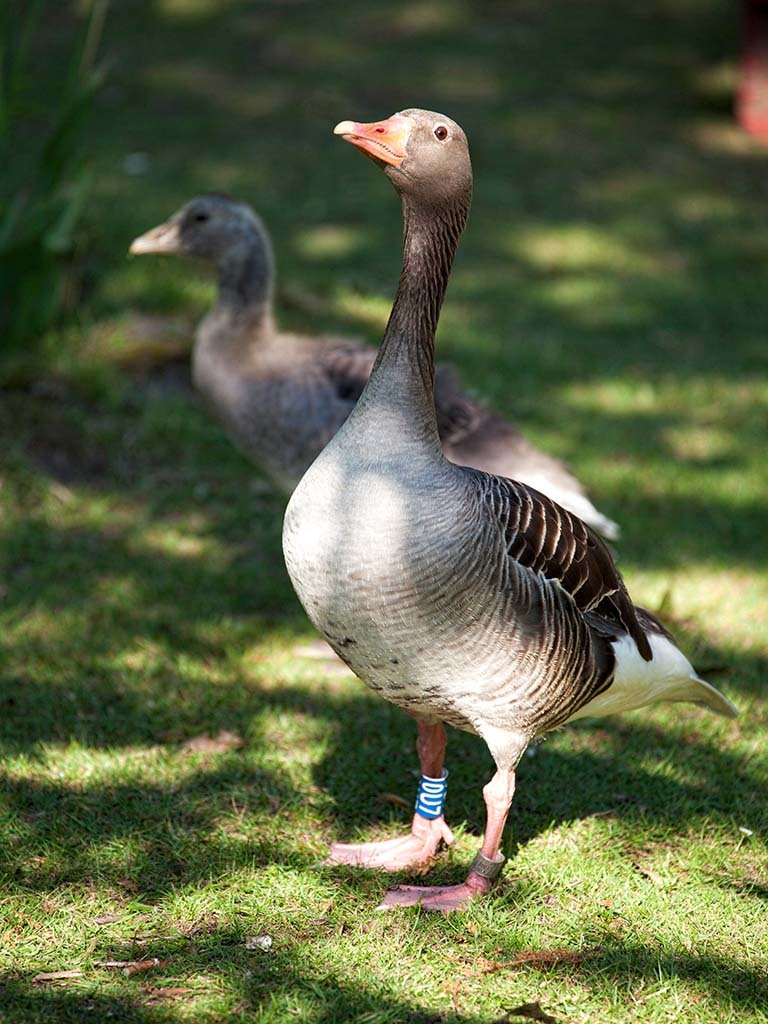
441,133
201,217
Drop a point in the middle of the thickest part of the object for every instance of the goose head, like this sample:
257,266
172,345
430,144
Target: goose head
210,227
424,154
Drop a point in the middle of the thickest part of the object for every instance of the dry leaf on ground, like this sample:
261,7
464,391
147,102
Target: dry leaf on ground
129,967
202,926
163,995
40,979
650,874
527,958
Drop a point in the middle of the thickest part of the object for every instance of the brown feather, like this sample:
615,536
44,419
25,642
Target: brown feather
549,540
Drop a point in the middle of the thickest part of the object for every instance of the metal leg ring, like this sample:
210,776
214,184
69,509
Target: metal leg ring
487,868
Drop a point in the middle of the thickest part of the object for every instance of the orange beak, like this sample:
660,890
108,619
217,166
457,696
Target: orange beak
384,141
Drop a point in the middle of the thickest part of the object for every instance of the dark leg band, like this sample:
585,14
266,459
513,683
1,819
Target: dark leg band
487,868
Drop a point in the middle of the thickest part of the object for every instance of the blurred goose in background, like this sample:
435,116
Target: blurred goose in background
460,596
282,396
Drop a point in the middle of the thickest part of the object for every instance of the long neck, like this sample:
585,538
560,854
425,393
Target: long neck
404,373
245,281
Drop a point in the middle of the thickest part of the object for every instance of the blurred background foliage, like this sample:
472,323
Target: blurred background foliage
43,179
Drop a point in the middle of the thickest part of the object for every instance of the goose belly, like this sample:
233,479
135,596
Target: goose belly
387,597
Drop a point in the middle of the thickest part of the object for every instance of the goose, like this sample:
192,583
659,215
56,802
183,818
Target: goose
463,597
282,397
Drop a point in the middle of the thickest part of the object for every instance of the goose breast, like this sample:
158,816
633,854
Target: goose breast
409,611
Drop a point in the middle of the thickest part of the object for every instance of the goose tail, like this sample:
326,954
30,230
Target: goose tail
699,691
667,676
676,678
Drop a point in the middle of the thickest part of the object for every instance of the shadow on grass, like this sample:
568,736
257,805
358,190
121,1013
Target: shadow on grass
66,832
91,601
281,982
671,777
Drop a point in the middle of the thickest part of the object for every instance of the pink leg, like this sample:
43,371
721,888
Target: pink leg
426,834
498,797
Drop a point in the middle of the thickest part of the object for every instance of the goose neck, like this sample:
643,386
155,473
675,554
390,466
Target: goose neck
404,372
245,275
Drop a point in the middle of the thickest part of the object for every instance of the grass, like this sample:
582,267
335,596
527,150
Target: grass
610,294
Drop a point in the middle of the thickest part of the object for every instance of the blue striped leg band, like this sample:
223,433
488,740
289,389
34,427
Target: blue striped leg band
430,799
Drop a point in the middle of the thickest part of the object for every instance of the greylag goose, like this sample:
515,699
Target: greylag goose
282,396
463,597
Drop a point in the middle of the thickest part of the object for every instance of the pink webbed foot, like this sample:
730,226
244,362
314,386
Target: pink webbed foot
408,851
441,898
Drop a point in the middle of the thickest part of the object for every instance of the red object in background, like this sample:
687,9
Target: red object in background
752,99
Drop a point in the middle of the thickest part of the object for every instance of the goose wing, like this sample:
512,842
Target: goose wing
461,419
348,367
473,435
545,538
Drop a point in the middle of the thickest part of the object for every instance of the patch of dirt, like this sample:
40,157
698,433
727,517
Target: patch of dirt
223,741
206,925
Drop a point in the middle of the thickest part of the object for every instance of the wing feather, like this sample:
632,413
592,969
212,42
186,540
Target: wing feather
547,539
348,366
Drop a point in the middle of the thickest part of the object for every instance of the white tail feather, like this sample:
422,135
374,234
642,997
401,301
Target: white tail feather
668,676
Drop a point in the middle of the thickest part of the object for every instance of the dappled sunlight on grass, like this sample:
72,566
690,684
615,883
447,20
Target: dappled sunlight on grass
587,300
178,284
479,83
225,831
222,86
368,310
702,443
180,542
428,17
579,247
191,8
330,241
725,138
707,595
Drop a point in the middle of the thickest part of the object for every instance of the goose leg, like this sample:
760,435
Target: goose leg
426,834
485,868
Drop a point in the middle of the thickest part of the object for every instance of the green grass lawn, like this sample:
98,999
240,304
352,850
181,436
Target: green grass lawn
611,294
